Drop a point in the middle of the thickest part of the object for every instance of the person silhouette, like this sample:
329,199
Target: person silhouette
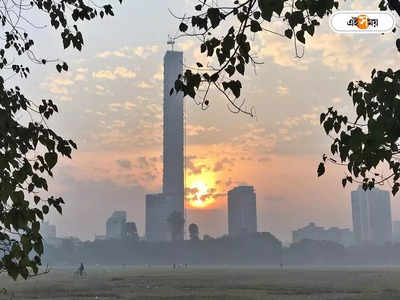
81,269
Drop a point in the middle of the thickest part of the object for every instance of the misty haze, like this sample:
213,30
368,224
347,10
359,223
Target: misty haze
199,149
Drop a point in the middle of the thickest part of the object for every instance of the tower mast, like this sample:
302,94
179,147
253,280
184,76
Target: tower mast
171,42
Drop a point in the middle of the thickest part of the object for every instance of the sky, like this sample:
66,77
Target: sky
110,104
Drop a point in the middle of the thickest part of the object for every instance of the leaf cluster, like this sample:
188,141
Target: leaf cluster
373,138
29,149
233,51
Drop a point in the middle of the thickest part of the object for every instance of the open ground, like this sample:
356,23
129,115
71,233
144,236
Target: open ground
208,283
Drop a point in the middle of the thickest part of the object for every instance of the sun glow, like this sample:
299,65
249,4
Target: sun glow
200,190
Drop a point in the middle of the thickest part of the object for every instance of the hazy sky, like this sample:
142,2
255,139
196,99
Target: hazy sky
111,105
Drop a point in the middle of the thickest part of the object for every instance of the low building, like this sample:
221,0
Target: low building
100,237
341,236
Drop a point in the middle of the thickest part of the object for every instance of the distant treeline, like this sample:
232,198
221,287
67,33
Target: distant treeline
252,249
248,249
310,252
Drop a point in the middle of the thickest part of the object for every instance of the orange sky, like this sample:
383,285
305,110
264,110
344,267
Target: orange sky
110,103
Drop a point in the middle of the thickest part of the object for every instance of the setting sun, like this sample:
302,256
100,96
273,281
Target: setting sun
200,190
200,198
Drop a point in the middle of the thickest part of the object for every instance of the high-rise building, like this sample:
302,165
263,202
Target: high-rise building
115,226
156,218
372,219
242,211
172,198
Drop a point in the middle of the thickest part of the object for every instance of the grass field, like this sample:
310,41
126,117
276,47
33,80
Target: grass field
209,283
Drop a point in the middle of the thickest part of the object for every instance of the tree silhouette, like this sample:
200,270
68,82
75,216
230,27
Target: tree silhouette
131,231
29,149
362,146
194,231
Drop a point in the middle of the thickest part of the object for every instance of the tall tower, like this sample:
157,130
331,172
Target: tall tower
173,173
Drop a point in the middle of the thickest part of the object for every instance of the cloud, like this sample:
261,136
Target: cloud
255,139
142,163
312,118
124,163
117,124
111,53
195,130
282,90
291,122
194,168
146,51
130,52
186,45
106,74
80,77
121,72
116,106
337,100
144,85
219,165
101,90
342,52
160,73
280,50
58,86
82,70
124,72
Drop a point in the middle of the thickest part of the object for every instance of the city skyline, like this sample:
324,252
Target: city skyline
110,104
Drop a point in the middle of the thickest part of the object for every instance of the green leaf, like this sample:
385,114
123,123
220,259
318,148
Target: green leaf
268,7
310,29
322,118
230,70
240,68
18,197
38,247
45,209
289,33
214,15
300,36
183,27
395,188
321,169
344,181
255,26
36,199
266,10
51,159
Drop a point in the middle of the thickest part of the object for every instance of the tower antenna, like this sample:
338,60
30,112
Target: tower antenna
171,42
